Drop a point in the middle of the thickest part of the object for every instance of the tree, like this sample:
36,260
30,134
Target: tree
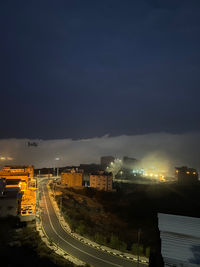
122,246
137,249
100,239
114,242
80,229
147,252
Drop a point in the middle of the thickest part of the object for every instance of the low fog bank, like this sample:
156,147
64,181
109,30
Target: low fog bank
163,149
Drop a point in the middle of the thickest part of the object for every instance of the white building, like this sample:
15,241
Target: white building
180,240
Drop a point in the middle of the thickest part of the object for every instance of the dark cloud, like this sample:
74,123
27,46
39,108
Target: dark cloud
78,69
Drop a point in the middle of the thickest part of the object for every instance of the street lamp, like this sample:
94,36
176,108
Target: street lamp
57,159
138,244
61,205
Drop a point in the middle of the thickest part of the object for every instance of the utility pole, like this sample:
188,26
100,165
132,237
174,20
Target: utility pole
57,172
138,244
61,205
54,190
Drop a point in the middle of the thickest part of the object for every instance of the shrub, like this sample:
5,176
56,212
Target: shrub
100,239
80,229
135,249
147,252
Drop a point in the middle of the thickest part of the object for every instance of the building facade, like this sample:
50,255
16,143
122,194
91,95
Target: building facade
10,202
101,181
105,161
129,163
22,174
12,172
185,175
2,186
18,179
72,178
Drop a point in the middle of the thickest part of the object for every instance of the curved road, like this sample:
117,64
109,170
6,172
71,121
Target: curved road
71,245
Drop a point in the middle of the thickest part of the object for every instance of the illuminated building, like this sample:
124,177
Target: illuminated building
19,179
106,161
186,175
101,181
22,173
72,178
15,170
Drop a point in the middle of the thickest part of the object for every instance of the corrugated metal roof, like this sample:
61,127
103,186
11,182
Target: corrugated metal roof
180,239
179,224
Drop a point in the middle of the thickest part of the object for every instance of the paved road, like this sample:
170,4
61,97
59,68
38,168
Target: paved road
71,245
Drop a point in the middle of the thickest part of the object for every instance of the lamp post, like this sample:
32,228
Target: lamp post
61,206
57,159
138,244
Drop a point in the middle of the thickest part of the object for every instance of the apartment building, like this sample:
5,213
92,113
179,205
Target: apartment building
72,178
101,181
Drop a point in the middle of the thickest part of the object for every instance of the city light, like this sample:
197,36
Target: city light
5,158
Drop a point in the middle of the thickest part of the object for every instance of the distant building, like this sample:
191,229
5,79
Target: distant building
90,167
10,202
101,181
129,163
72,178
106,160
180,240
186,175
17,171
24,173
2,186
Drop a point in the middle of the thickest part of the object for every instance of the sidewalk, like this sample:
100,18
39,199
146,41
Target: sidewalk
66,227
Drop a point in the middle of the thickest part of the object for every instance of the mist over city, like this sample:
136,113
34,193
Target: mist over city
100,133
161,149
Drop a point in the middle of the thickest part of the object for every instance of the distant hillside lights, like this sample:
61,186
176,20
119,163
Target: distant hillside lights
2,158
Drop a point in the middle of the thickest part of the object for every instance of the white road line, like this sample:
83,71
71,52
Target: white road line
70,243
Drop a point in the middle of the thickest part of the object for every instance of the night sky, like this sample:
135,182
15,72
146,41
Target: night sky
80,69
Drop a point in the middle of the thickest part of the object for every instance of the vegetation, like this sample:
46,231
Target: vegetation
114,218
21,246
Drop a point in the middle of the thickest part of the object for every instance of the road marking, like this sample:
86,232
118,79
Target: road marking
70,243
